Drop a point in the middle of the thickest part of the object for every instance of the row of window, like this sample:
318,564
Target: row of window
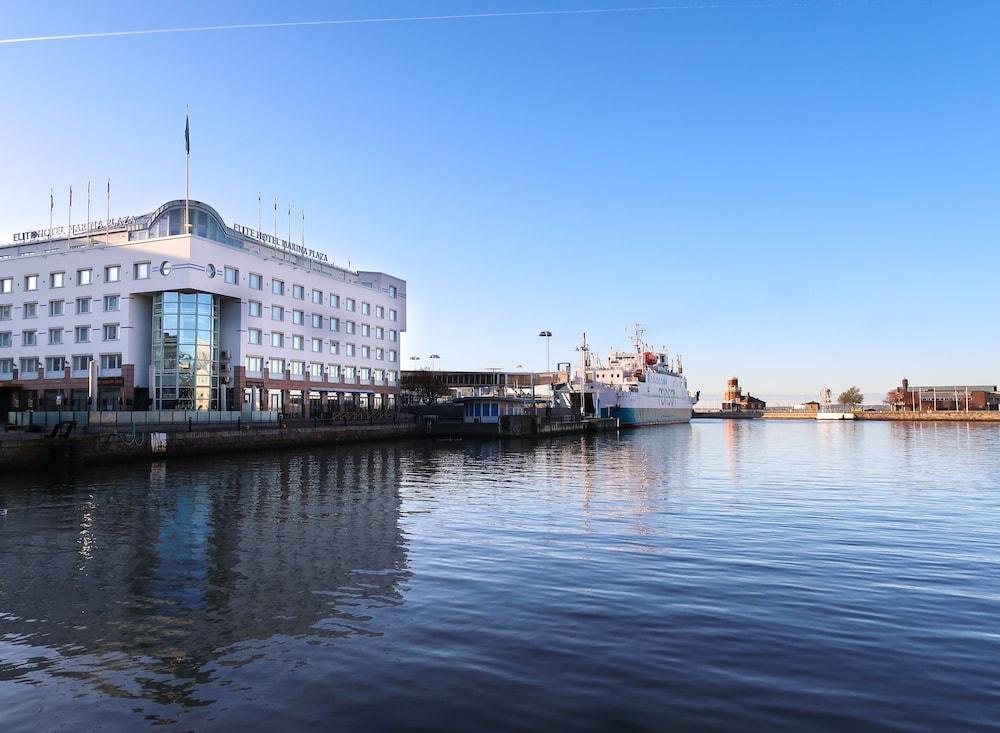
255,337
84,276
81,335
256,310
112,304
317,370
256,282
28,365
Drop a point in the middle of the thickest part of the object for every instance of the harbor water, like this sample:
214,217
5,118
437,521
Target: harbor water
722,575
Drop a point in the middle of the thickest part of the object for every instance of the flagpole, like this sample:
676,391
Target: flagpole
258,211
276,218
88,204
52,206
289,223
69,216
303,227
107,222
187,169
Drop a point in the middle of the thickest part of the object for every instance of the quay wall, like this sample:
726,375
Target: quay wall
789,415
36,453
940,416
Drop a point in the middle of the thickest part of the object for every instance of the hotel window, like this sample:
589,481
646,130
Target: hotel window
377,375
81,363
110,331
57,279
317,346
392,291
297,342
315,370
82,334
348,373
5,339
84,276
254,336
334,324
277,366
56,307
392,355
255,364
277,339
254,308
5,312
112,273
350,327
366,352
348,349
82,305
278,287
392,314
54,363
111,361
317,297
112,303
334,345
31,282
366,309
55,336
140,271
231,275
277,313
379,354
256,281
364,373
30,310
379,332
350,304
334,371
366,330
6,366
29,365
298,317
334,299
298,292
379,312
29,338
297,368
317,320
7,285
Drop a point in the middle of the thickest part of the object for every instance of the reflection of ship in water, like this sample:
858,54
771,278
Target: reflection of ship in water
164,580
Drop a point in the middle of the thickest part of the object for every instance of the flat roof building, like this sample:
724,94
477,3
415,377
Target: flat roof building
136,314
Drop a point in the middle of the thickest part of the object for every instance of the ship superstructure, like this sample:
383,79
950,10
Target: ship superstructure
638,387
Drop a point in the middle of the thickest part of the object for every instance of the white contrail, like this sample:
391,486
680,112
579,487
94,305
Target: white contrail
409,19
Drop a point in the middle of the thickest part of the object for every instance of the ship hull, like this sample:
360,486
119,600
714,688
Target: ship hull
637,416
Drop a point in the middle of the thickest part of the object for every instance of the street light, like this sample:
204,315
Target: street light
547,335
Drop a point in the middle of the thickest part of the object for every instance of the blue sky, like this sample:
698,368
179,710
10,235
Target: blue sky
803,194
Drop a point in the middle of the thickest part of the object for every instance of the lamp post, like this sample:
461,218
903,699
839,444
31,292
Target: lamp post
547,335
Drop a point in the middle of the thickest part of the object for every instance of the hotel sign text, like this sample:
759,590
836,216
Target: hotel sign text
88,228
282,243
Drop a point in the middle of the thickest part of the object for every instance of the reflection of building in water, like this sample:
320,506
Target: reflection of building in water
173,574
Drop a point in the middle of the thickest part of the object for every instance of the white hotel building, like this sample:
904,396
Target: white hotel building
135,314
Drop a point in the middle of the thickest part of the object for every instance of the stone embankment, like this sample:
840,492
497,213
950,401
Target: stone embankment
34,452
939,416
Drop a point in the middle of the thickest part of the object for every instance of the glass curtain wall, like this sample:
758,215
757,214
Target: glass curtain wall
186,351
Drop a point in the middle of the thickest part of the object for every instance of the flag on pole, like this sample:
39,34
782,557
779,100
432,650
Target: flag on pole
52,201
187,134
70,195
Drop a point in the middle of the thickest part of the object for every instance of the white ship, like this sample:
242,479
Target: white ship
638,387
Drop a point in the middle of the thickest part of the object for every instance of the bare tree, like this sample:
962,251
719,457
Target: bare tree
425,386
